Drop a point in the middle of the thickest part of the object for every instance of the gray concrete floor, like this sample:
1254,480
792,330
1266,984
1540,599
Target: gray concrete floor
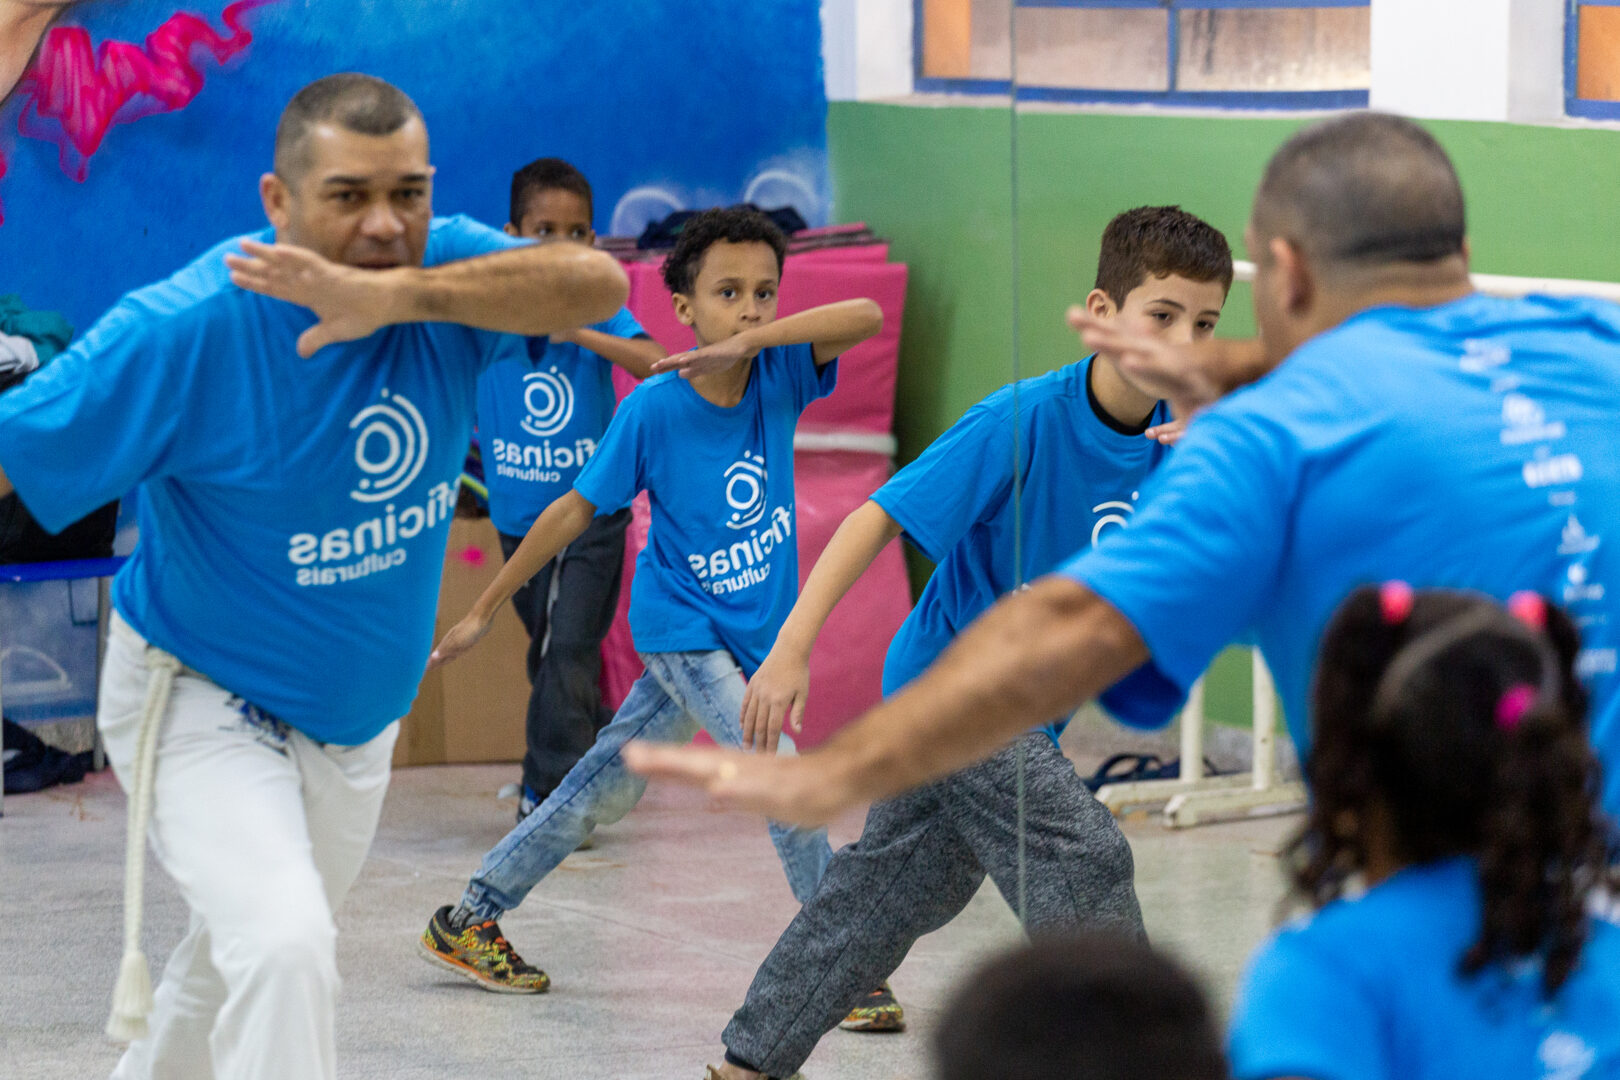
650,939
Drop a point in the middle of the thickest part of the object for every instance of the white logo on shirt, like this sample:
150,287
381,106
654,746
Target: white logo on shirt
390,449
1546,471
1564,1056
745,491
1482,356
548,397
1575,539
1120,516
1524,421
1580,586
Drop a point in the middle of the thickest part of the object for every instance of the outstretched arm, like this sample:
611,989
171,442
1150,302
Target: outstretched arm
1190,377
1034,655
637,355
534,289
779,689
556,527
830,329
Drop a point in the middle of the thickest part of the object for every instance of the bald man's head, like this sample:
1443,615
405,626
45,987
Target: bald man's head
1362,191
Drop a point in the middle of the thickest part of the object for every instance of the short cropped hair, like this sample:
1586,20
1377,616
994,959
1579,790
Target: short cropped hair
360,103
1366,189
1091,1007
547,174
1158,241
735,225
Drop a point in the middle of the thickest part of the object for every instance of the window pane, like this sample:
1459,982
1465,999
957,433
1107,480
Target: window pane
1275,49
1081,48
966,39
1597,66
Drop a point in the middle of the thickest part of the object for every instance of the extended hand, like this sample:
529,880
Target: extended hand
803,790
461,637
776,694
1187,376
707,359
349,302
1169,434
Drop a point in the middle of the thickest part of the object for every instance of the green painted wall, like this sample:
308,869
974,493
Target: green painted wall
937,181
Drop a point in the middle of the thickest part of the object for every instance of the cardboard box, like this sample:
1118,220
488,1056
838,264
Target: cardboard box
472,710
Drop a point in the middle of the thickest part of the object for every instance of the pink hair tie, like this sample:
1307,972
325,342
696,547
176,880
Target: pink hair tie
1395,601
1514,703
1529,608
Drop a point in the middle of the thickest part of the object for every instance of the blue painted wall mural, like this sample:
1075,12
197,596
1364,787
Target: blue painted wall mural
133,132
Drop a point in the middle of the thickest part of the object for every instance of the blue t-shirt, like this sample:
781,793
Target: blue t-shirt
540,417
1471,445
721,565
1079,482
294,513
1371,989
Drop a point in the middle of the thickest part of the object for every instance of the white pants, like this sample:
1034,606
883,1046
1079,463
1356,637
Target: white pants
264,830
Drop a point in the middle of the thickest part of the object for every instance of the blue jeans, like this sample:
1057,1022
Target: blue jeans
679,693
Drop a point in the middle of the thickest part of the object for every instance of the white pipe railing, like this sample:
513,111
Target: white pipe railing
1503,284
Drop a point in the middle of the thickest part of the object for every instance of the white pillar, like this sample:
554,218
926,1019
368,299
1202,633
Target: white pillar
1469,59
866,48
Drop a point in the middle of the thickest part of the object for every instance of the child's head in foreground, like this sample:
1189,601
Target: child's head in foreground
1089,1007
1446,724
551,200
1163,271
725,271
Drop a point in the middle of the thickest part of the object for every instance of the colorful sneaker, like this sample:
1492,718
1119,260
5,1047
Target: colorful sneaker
479,952
879,1012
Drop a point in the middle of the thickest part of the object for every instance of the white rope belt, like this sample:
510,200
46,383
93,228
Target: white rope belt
132,997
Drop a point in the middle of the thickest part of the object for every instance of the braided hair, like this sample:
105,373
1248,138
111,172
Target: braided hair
1465,726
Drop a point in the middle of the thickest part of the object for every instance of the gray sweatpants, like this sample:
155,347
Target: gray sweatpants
919,861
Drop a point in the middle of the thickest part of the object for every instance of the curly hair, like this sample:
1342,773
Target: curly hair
1407,718
1158,241
734,225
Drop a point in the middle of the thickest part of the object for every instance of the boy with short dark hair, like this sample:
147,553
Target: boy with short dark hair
710,440
1082,434
541,415
1088,1007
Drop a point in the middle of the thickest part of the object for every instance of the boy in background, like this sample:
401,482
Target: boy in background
541,416
1084,450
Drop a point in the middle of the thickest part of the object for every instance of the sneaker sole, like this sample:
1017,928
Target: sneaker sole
438,959
881,1025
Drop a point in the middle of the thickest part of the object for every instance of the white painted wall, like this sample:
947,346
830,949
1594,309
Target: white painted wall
1469,59
866,48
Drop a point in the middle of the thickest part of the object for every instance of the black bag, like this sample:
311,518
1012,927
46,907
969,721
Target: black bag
33,765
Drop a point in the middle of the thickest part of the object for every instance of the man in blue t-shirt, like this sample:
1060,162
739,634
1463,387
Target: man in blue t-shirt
711,442
1416,430
294,408
541,415
1083,454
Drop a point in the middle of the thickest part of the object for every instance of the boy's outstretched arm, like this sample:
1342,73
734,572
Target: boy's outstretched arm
556,527
779,689
830,329
636,355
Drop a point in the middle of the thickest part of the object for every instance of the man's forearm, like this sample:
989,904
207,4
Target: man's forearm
1035,655
539,289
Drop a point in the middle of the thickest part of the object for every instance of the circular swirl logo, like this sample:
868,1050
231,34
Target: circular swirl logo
390,448
745,491
549,399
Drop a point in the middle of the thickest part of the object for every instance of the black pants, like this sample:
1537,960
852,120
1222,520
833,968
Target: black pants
567,608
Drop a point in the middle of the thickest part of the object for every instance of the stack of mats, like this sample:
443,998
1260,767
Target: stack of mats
844,451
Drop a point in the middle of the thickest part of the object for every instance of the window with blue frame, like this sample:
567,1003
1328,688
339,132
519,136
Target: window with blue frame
1288,54
1592,68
